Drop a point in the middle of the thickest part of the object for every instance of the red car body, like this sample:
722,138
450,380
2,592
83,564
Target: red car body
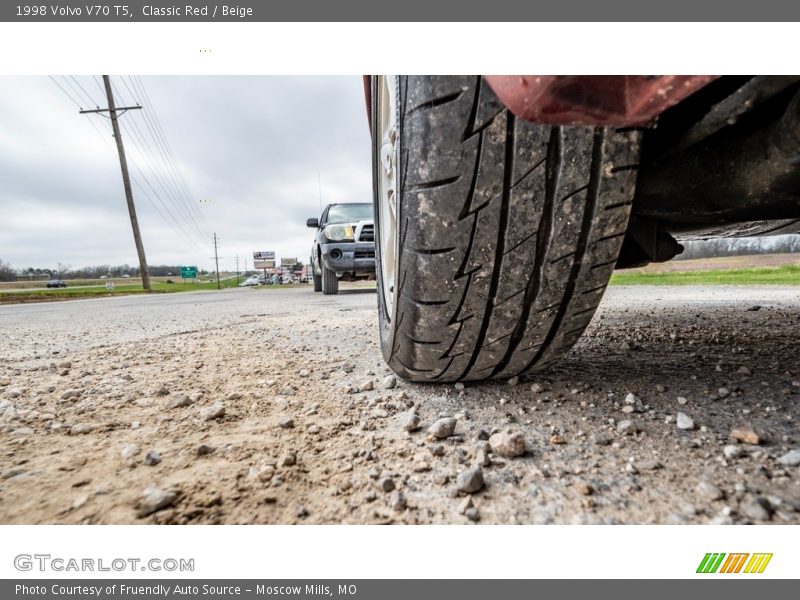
619,100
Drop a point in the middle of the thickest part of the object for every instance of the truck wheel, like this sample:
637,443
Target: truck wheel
317,282
496,237
330,283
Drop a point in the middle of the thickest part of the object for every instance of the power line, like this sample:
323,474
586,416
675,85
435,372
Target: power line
84,92
151,123
136,136
169,220
149,114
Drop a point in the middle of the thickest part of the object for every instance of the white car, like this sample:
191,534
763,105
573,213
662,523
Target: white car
250,281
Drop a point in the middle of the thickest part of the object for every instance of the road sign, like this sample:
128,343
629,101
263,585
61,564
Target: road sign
264,255
263,264
189,272
288,262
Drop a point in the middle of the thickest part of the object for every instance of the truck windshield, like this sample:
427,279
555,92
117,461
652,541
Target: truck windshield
349,213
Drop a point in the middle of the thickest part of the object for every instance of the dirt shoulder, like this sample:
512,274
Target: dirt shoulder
254,407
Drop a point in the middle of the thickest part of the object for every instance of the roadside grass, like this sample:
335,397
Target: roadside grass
158,287
783,275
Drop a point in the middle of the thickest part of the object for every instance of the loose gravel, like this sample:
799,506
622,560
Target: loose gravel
254,406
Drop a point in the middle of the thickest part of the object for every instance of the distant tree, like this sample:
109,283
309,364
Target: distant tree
778,244
6,272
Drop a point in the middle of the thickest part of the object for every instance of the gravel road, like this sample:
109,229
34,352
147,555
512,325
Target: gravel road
679,405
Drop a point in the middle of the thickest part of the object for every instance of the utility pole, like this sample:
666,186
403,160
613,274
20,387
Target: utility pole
216,258
237,269
126,180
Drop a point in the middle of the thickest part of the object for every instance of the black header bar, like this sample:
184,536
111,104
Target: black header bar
144,11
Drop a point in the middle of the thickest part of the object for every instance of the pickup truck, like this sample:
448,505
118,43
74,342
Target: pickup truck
344,246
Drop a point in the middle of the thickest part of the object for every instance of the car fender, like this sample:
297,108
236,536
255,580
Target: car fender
619,100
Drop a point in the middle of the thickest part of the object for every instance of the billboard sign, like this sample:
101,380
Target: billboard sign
288,262
264,255
263,264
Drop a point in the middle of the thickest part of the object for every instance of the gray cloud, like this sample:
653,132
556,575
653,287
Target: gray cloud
249,148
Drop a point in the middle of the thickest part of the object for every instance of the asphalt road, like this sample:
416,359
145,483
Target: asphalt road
274,406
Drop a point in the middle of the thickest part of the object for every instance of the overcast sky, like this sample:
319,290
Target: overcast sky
249,150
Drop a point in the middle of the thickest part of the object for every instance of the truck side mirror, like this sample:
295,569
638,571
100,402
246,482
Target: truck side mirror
312,223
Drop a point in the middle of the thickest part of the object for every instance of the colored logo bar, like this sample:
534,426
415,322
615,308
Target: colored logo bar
719,562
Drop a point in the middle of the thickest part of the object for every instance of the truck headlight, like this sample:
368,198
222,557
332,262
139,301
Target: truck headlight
339,232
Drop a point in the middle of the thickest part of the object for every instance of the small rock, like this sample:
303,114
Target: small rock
443,428
204,450
397,501
707,490
409,421
649,464
626,427
756,508
264,472
129,451
602,439
71,394
81,428
557,440
513,380
661,388
682,401
508,445
215,411
472,514
459,387
723,392
537,388
178,401
583,488
386,484
745,434
80,501
366,386
234,396
684,421
152,458
632,398
289,459
161,391
470,481
754,308
302,512
389,382
154,499
790,459
731,452
286,423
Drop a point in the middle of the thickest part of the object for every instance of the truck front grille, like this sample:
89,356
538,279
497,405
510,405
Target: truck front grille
367,234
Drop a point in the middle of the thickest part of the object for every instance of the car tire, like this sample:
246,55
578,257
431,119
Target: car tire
317,282
506,233
330,283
